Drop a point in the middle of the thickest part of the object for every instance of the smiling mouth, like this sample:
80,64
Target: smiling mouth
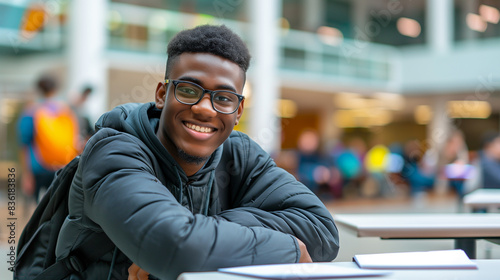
202,129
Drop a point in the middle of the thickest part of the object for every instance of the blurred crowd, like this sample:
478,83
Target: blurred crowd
51,132
350,168
410,169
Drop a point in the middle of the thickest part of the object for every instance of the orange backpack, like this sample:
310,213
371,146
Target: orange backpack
56,135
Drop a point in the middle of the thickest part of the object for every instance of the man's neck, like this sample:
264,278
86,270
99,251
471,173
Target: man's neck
189,163
189,168
186,162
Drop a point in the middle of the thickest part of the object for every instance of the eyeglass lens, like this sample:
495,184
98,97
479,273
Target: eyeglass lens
223,101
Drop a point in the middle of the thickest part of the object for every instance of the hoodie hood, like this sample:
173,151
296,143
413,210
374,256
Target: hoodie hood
141,120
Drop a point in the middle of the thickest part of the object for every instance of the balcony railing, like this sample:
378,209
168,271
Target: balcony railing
146,31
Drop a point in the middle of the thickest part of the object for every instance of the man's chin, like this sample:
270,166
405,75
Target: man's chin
191,159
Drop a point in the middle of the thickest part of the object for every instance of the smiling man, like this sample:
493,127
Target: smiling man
175,189
196,121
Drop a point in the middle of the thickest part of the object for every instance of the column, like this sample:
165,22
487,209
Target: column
469,6
440,25
313,15
87,64
264,125
438,131
360,13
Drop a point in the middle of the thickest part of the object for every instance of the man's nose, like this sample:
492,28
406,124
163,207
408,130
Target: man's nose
204,107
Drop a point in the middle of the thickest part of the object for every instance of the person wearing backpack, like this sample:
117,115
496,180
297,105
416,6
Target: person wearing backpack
48,133
175,189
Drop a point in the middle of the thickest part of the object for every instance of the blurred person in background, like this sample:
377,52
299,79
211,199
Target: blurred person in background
395,164
453,163
48,132
489,161
376,163
420,177
349,163
86,127
312,169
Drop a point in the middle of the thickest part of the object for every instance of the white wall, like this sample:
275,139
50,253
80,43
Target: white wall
468,67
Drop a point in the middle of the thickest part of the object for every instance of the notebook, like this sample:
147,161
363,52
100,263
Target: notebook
302,271
443,259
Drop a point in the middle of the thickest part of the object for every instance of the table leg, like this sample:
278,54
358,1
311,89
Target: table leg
468,245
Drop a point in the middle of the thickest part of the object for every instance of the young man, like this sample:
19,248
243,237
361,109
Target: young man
176,189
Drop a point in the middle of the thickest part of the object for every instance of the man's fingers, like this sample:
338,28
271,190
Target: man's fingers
304,254
143,275
132,272
136,273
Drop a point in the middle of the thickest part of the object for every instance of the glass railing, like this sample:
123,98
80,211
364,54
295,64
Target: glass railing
305,51
143,29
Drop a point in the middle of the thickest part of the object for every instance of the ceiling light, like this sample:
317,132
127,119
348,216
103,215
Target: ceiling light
408,27
422,114
157,23
330,35
489,14
389,100
287,108
114,20
362,118
348,100
469,109
285,26
476,22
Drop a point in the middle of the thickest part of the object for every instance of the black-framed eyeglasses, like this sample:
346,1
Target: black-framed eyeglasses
223,101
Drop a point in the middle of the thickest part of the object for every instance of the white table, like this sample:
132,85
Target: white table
465,228
488,199
487,270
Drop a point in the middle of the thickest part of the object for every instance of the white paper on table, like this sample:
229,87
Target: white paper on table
449,259
301,271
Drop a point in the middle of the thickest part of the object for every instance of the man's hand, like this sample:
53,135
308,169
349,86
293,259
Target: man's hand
137,273
304,255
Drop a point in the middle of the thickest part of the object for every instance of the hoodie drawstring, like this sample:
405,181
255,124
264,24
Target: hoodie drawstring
206,200
208,193
179,198
113,260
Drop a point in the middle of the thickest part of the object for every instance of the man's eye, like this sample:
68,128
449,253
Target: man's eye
187,90
222,98
225,97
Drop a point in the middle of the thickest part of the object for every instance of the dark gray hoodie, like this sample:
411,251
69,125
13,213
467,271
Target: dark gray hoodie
239,209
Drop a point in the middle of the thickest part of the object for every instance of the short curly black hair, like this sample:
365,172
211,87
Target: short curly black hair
214,39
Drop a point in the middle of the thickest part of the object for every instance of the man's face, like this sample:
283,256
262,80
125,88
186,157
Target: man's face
195,131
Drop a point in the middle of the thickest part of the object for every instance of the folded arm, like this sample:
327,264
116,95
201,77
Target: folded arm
272,198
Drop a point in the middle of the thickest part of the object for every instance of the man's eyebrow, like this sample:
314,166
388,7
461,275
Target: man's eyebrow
199,82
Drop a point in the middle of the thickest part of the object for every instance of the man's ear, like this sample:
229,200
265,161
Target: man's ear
160,95
239,112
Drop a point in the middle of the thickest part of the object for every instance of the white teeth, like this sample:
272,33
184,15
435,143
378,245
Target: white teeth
199,128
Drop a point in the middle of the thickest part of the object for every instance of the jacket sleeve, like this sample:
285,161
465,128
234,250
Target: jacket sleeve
151,228
268,196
